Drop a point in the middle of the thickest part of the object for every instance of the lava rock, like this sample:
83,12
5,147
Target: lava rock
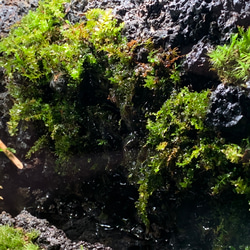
50,237
11,11
197,61
193,26
229,112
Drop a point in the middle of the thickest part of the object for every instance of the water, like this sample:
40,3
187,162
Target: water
100,208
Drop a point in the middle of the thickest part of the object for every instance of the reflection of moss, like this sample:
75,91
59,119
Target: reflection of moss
231,225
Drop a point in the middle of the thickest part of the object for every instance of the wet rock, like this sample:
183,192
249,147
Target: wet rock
197,61
193,26
50,237
229,111
11,11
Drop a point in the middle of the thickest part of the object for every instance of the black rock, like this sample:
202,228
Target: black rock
229,112
49,236
11,11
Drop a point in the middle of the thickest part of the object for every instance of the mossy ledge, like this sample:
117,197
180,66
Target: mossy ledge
88,89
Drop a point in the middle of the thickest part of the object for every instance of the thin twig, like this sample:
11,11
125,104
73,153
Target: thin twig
11,156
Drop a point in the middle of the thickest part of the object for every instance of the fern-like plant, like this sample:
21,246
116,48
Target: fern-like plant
182,151
46,59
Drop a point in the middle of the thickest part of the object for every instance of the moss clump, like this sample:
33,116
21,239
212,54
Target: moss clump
51,66
17,239
77,81
184,153
232,61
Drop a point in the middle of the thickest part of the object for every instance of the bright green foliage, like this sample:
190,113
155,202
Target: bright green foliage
128,74
182,150
173,136
104,32
17,239
54,58
62,74
36,47
39,49
232,61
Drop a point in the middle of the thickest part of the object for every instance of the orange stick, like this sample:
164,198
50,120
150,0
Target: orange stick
11,156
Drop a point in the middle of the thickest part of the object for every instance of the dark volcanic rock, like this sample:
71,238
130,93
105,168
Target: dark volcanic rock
50,237
11,11
192,26
229,112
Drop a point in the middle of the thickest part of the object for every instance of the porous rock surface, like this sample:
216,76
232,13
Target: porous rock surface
11,11
229,112
192,26
49,237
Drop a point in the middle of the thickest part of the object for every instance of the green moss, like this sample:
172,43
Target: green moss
86,89
232,61
48,61
174,139
16,239
183,153
62,74
80,82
